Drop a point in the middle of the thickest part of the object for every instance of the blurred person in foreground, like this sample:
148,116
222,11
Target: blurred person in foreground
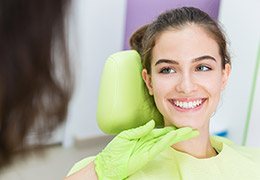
35,78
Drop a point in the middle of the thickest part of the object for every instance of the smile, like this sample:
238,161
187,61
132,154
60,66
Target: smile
187,104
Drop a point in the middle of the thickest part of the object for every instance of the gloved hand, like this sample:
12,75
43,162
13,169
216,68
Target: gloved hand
130,150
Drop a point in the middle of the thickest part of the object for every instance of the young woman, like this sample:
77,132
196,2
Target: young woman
186,66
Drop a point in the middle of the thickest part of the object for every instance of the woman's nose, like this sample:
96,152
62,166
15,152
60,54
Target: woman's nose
186,84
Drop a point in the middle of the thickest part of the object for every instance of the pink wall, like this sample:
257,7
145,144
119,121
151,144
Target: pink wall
140,12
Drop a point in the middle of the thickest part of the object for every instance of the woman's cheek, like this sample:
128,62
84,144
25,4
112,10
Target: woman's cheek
163,86
210,82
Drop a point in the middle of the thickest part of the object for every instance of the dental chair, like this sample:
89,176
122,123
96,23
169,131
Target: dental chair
124,101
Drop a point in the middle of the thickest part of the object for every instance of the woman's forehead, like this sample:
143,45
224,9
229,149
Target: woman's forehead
187,43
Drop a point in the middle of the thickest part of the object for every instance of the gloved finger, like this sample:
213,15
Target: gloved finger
138,132
145,144
147,141
173,137
162,143
185,134
153,137
142,153
156,133
161,131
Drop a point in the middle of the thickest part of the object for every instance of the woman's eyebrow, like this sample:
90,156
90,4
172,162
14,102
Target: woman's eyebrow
203,58
170,61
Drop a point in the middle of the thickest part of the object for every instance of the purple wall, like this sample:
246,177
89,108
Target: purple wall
140,12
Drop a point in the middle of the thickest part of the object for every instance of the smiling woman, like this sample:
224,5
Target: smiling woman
184,70
186,79
186,66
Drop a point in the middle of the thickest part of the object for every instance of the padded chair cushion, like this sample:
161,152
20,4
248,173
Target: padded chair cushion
124,101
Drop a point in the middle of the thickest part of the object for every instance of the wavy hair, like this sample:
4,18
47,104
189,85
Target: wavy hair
35,76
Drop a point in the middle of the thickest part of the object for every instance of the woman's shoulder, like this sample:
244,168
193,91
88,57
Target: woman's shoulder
252,153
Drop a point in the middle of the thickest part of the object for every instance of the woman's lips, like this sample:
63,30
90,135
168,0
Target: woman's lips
187,104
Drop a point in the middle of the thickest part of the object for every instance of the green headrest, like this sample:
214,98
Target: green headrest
124,101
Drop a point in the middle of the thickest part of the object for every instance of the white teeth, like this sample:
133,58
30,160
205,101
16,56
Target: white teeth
188,105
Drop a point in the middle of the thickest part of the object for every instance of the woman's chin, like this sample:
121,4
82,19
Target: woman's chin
185,123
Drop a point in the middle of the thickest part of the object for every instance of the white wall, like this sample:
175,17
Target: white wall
241,23
97,29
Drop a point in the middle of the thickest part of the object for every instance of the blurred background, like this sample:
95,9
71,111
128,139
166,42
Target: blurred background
97,29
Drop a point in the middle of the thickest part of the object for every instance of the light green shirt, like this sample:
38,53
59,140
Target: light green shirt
232,162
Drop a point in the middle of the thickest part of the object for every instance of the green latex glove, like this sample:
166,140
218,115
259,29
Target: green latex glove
132,149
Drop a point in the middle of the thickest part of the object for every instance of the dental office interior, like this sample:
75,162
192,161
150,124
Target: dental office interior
97,29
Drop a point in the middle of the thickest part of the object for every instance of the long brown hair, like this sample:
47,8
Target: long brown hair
35,77
143,40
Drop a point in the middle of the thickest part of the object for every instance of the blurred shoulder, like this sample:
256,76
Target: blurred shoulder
81,164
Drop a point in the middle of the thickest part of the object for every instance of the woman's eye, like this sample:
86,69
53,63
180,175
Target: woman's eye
167,70
203,68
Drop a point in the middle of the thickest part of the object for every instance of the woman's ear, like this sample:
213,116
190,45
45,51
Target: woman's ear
226,74
148,81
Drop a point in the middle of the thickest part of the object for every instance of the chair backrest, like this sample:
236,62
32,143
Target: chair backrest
124,101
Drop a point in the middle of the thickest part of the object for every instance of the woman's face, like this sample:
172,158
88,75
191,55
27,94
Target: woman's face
186,77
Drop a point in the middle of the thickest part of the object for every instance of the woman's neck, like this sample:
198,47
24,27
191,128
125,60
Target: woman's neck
199,147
